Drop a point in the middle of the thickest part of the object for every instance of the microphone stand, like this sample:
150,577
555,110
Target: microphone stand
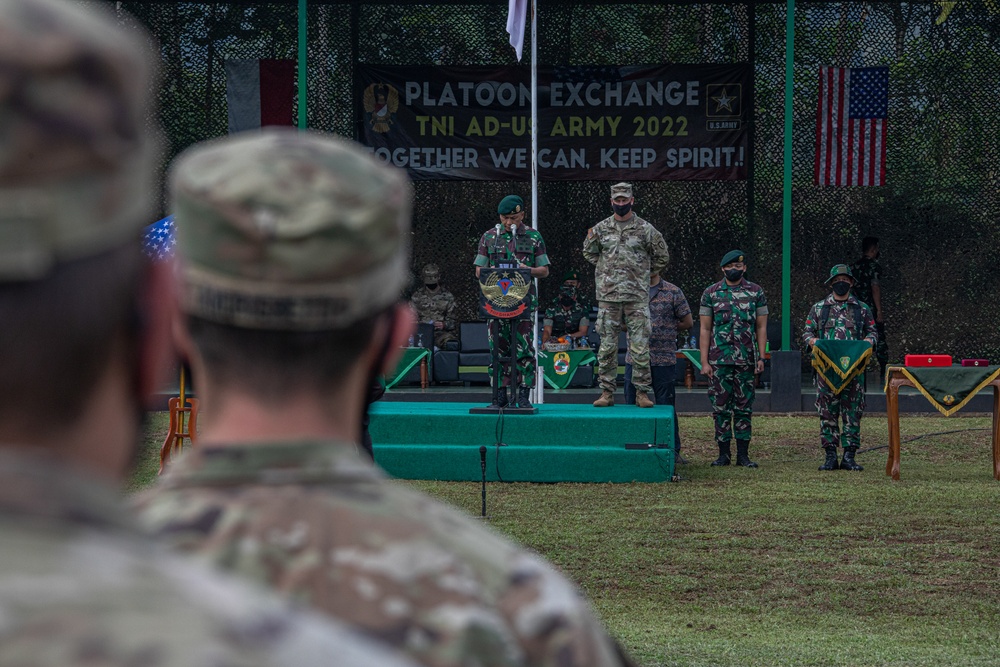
482,464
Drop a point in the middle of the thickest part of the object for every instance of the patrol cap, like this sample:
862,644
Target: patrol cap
839,270
621,190
733,256
510,204
289,230
431,273
572,274
78,164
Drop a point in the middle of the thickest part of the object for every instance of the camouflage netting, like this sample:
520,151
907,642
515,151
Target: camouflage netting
937,216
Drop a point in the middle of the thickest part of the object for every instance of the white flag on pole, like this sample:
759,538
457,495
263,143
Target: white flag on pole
517,10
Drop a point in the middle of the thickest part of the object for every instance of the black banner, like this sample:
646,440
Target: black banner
663,122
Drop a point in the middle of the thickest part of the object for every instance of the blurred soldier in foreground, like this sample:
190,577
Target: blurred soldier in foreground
85,335
284,335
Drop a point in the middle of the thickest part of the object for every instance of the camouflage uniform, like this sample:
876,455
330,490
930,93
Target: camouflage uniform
566,318
79,583
311,518
868,272
625,253
849,404
437,306
528,248
733,355
313,521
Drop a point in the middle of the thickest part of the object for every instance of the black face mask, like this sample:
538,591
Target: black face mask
841,288
733,275
622,209
431,286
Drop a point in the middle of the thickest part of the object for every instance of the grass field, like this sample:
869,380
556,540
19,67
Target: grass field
783,565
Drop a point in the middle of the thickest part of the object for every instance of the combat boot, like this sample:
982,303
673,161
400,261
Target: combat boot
743,454
725,455
606,400
831,462
642,400
848,463
501,398
523,401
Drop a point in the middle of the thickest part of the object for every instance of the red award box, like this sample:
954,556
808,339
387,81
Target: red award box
975,362
927,360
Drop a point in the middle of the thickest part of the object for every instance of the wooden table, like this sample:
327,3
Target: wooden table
895,380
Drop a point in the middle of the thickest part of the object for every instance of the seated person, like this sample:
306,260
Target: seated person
566,316
436,305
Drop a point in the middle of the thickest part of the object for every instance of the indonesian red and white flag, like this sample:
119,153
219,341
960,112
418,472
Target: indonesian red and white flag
259,93
851,125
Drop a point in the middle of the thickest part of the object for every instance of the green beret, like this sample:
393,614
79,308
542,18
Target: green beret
733,256
840,270
510,204
572,274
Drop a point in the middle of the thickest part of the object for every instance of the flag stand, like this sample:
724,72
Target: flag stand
179,411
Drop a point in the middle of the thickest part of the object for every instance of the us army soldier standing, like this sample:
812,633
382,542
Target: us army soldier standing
84,341
625,250
276,489
520,246
733,343
436,305
840,316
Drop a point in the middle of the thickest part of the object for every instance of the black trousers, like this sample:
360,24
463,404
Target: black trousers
664,380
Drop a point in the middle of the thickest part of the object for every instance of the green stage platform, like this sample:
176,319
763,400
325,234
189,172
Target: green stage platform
562,443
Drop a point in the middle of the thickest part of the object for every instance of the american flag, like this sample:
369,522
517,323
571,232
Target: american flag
158,241
851,125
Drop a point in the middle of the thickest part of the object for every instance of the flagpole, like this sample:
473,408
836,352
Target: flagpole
786,227
539,381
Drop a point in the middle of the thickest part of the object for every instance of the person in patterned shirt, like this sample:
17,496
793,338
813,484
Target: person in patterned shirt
733,343
669,313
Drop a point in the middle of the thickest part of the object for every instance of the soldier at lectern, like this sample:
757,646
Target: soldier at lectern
513,244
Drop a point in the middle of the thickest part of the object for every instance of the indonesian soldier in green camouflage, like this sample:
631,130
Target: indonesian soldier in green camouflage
567,316
840,316
436,305
625,250
85,339
516,245
284,335
733,343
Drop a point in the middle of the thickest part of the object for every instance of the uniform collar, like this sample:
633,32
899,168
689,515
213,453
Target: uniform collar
36,485
272,464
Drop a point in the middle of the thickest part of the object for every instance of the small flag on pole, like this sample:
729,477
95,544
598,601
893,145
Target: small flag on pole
851,125
158,241
517,11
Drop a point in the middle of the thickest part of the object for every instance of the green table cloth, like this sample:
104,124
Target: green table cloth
948,388
411,357
558,368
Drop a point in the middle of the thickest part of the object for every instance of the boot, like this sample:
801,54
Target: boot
849,463
678,459
725,454
742,454
642,400
501,398
831,459
522,397
606,400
